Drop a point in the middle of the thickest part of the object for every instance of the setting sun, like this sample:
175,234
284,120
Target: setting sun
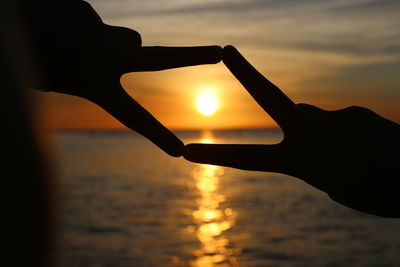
207,103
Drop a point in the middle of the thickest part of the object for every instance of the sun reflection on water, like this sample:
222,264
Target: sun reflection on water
211,218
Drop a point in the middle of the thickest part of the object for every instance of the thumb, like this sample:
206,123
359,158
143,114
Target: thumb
130,113
246,157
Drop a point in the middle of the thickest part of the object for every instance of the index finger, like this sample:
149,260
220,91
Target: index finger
121,106
160,57
267,95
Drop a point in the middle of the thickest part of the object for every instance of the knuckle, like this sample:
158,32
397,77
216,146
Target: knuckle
353,108
357,109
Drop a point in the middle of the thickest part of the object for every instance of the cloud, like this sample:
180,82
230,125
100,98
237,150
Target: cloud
364,81
277,7
335,48
342,26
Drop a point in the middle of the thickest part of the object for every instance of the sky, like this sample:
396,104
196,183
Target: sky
332,54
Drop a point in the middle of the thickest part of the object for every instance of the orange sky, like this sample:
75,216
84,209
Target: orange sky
313,52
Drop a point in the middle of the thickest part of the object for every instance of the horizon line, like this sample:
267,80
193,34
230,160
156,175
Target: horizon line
172,129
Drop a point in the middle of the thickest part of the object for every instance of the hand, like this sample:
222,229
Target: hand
351,154
82,56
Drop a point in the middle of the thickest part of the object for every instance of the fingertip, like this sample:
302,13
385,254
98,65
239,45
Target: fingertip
176,150
233,59
229,49
192,152
215,53
228,53
189,152
163,138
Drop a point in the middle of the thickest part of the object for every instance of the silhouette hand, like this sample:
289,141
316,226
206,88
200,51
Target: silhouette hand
351,154
82,56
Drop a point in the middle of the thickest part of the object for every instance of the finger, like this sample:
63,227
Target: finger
245,157
161,58
130,113
267,95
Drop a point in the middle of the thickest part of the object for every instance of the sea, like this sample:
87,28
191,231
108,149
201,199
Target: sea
120,201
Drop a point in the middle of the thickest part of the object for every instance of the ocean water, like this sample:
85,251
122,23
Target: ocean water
120,201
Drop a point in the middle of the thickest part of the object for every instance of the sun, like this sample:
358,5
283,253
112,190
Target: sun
207,103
